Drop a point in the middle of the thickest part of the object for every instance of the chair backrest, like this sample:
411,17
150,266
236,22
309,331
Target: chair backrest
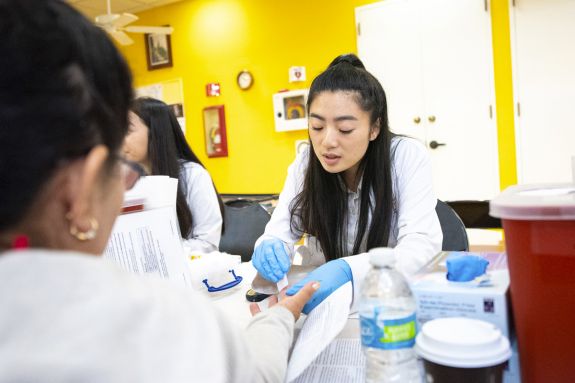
475,214
245,223
454,234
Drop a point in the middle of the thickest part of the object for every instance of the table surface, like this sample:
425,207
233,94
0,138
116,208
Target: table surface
237,309
233,301
235,306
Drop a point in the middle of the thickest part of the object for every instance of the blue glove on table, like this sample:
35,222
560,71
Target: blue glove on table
465,267
330,275
271,260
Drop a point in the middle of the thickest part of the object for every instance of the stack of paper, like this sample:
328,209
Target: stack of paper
148,241
319,354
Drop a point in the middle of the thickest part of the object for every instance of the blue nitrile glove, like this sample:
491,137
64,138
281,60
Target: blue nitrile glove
271,260
465,267
330,275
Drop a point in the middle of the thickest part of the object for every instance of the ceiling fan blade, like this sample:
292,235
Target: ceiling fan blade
152,30
107,19
125,19
121,37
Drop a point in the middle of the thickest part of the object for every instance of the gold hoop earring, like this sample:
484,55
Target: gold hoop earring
85,235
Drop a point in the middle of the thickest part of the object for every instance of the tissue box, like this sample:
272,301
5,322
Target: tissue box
436,297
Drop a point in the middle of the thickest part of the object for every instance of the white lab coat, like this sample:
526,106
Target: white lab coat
71,317
203,202
415,234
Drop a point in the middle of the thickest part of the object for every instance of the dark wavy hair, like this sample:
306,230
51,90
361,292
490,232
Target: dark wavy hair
167,149
64,88
320,209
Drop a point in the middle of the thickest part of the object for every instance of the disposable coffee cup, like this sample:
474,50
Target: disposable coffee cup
462,350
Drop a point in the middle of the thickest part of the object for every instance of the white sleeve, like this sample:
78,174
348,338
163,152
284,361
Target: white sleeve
206,216
196,341
279,226
419,235
260,352
419,232
359,265
269,336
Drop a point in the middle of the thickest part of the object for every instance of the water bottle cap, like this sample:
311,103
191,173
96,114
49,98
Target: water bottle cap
382,256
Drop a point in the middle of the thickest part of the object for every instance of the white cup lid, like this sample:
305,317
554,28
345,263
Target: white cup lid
535,202
462,342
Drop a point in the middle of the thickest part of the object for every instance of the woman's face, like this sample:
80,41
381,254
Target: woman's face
340,132
136,142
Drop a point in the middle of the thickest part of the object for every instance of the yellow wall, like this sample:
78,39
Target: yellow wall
215,39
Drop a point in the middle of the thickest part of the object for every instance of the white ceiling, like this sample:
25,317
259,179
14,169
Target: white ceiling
92,8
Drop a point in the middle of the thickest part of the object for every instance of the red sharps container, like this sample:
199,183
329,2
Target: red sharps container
539,226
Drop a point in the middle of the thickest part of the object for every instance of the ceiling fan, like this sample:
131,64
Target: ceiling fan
116,25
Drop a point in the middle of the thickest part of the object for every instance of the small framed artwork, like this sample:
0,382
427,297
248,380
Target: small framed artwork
215,131
158,51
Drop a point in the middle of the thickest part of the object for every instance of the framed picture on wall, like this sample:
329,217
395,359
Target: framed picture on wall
290,110
158,51
215,131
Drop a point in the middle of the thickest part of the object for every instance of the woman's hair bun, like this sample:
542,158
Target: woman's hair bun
348,58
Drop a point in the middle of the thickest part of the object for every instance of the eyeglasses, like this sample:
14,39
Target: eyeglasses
131,172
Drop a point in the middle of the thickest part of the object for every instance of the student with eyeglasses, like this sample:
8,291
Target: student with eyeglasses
68,314
156,141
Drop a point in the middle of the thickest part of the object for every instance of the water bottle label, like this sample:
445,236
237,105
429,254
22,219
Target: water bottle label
388,334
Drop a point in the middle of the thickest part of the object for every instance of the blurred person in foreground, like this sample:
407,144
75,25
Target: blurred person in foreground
68,315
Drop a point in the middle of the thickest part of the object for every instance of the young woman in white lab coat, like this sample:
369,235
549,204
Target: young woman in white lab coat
68,314
156,141
358,187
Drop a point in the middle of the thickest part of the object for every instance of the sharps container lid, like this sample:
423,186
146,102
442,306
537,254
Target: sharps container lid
462,342
542,202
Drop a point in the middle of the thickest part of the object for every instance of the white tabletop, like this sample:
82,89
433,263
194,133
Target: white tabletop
233,302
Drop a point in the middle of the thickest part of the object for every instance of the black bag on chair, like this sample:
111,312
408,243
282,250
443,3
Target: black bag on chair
245,223
454,234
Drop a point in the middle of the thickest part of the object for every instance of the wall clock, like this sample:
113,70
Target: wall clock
245,79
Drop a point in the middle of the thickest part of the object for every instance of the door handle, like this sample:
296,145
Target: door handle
431,119
435,144
417,120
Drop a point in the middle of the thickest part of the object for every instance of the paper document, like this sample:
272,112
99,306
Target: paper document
321,326
157,191
148,242
283,283
342,361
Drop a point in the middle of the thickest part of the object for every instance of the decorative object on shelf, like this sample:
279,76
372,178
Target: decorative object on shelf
158,51
213,89
296,73
290,110
245,79
215,131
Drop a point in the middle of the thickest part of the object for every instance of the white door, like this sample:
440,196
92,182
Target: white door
543,40
389,44
434,60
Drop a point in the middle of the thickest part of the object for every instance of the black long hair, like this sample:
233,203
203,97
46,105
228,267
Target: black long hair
320,209
167,152
64,88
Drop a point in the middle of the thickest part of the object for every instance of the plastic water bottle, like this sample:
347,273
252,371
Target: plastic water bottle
388,325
